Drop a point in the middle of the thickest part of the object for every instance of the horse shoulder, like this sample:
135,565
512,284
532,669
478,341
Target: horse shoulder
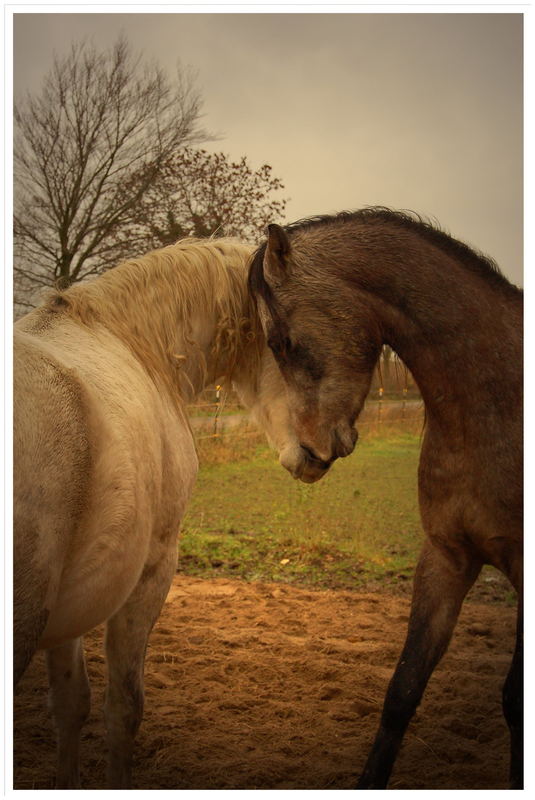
471,500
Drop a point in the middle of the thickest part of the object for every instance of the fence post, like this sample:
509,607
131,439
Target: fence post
217,407
380,406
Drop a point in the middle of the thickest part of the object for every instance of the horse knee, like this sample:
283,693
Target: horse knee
69,703
124,705
401,701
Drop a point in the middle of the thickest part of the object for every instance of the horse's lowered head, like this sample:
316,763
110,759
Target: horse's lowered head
267,399
326,358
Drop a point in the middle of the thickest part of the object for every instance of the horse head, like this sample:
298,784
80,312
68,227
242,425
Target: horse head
267,399
326,358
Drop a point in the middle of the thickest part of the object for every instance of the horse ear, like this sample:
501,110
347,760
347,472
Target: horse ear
276,266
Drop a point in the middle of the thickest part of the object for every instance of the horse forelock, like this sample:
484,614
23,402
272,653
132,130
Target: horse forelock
145,301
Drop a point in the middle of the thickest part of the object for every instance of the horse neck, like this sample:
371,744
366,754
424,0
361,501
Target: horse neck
185,339
457,330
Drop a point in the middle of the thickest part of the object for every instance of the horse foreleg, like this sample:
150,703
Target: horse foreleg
126,641
440,585
513,704
69,701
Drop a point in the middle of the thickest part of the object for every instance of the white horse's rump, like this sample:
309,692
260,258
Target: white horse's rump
105,463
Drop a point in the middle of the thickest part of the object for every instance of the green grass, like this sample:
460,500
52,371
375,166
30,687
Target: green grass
357,528
358,525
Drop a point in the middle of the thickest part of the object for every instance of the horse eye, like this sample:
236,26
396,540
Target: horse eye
279,347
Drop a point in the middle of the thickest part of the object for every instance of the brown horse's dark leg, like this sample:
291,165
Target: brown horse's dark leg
440,585
513,704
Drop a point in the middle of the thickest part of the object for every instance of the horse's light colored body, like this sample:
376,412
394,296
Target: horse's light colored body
113,458
105,463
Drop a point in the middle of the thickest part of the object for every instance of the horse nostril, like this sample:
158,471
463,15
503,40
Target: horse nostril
316,459
344,443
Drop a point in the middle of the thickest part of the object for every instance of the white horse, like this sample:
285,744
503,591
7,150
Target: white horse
105,463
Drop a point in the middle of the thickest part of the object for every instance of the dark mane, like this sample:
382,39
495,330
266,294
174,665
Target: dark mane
469,257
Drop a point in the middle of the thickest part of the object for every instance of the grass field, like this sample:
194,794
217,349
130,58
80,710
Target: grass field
357,528
360,523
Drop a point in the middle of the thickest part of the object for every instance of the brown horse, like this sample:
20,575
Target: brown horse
331,291
105,463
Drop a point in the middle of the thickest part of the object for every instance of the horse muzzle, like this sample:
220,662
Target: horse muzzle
307,464
341,444
303,465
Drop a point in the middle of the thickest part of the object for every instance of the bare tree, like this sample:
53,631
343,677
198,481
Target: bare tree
203,194
86,150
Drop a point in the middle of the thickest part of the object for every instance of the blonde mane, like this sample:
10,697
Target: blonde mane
145,302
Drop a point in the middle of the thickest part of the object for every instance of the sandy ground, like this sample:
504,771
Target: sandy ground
265,686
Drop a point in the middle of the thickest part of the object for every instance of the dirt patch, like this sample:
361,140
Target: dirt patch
266,686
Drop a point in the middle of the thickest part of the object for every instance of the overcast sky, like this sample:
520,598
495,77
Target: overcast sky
412,111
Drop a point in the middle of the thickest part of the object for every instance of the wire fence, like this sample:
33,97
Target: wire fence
229,420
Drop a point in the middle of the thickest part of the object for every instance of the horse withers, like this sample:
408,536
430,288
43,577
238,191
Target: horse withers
330,292
105,461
